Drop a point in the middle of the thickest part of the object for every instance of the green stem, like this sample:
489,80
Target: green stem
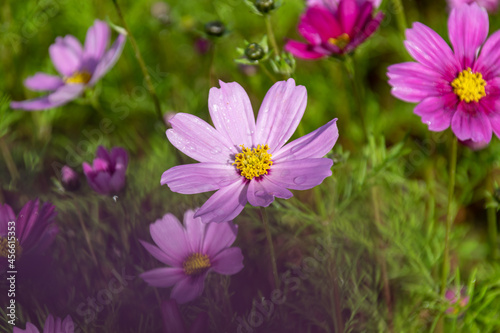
86,235
492,218
349,66
449,216
265,220
11,166
211,67
270,34
144,69
266,71
400,15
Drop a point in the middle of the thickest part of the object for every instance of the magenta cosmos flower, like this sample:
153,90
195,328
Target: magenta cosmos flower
79,67
490,5
52,325
173,322
248,161
192,252
459,88
107,174
35,230
334,27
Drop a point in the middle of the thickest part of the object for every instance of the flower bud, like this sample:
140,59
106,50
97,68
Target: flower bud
254,51
215,28
69,179
264,6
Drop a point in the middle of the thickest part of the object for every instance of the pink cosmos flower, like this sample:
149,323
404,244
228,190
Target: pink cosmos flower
248,161
459,88
457,300
35,230
107,174
490,5
172,319
79,67
52,325
334,27
192,252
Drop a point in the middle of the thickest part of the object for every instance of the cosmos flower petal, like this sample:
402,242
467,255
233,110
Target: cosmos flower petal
59,97
42,81
188,289
225,204
97,40
467,123
494,116
437,111
323,21
262,193
302,50
73,43
159,254
366,31
30,328
109,59
413,82
232,113
197,139
348,13
429,49
65,59
228,262
195,231
313,145
172,319
163,277
280,114
199,177
6,215
301,174
170,237
308,31
488,62
219,236
468,29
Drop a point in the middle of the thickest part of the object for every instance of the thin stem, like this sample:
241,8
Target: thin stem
349,66
492,219
211,67
449,216
11,166
266,71
400,15
270,33
265,220
86,235
144,69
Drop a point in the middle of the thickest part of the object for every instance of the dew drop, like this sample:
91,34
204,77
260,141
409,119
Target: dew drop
216,150
300,180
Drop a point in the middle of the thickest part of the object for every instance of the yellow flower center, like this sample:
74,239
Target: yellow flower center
341,41
78,77
469,86
196,264
253,162
4,248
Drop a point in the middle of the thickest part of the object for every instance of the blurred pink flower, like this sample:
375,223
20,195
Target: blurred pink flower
490,5
334,27
458,300
69,178
245,160
107,174
192,252
459,88
35,230
78,66
52,325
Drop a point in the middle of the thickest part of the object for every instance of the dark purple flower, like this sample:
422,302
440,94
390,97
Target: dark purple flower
107,174
173,321
191,252
334,27
457,88
79,67
35,229
69,178
52,325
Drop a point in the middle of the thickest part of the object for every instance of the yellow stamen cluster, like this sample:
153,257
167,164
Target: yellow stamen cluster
4,248
469,86
82,77
341,41
253,162
196,264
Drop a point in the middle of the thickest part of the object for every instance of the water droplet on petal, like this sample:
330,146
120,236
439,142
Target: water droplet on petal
216,150
300,180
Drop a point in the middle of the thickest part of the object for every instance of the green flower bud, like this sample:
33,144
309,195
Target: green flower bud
264,6
215,28
254,51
